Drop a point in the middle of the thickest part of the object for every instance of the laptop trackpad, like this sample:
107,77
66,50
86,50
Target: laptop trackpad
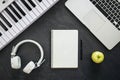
93,21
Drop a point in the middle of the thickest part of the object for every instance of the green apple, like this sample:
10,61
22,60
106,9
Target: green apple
97,57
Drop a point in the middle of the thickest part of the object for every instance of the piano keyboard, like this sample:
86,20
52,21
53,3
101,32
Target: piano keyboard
19,15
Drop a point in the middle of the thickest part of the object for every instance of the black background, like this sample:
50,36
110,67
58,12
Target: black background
59,17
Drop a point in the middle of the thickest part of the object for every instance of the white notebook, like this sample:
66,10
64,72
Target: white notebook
64,49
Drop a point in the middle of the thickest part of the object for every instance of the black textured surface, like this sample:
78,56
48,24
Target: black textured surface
60,18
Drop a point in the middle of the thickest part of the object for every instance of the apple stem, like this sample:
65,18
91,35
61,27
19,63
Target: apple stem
98,56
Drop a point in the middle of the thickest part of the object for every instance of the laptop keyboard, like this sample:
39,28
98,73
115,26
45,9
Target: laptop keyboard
110,9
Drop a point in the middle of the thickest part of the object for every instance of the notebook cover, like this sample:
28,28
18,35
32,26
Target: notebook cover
64,49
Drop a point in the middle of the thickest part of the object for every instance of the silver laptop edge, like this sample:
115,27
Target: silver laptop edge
95,21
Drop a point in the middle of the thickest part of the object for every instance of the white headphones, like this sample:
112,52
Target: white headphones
16,61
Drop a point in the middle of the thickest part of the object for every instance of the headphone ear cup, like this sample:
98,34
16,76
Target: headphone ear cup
29,67
16,62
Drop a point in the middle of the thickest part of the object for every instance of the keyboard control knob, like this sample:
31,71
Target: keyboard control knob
4,4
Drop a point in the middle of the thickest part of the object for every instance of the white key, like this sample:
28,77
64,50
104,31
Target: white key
16,10
12,13
33,9
29,18
54,0
22,23
19,20
1,45
14,28
10,30
29,12
30,6
3,22
46,3
50,1
19,26
33,15
16,24
9,34
24,20
4,34
42,6
2,40
36,12
38,6
27,15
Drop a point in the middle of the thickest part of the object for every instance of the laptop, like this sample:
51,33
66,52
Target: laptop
101,17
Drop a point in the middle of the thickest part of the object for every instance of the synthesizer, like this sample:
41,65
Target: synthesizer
17,15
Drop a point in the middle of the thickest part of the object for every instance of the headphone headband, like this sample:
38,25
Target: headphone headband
40,61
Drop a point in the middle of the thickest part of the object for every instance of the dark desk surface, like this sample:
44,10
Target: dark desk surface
60,18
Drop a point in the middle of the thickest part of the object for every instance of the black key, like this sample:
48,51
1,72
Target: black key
11,15
110,3
117,26
113,11
98,3
119,22
109,18
108,6
105,14
31,2
27,6
16,13
119,29
119,7
5,20
103,1
3,26
116,4
113,2
110,9
94,2
0,34
107,1
105,4
17,6
112,6
40,0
